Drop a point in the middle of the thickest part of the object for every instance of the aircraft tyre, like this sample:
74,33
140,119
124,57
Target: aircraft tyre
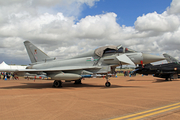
168,79
107,84
78,82
57,83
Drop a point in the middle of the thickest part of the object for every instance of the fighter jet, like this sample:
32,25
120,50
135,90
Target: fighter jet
168,71
102,60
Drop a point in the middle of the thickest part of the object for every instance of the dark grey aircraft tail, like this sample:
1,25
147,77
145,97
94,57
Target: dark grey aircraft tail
170,59
35,54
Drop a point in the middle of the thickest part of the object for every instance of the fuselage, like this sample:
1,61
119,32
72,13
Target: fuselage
93,60
160,69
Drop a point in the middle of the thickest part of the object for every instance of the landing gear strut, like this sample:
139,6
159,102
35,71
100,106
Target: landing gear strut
107,84
57,83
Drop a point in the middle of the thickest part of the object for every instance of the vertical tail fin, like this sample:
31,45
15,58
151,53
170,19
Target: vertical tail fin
170,59
35,54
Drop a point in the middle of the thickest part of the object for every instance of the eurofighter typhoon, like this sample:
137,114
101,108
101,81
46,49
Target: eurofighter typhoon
102,60
169,71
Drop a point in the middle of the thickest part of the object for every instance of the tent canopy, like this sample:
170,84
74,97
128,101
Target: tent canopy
3,65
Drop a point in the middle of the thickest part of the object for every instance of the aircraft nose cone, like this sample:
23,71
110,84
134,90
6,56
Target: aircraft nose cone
147,58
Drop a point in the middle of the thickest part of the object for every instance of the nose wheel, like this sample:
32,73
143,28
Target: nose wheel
107,84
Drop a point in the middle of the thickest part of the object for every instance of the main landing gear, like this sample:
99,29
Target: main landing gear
168,79
78,82
57,83
107,84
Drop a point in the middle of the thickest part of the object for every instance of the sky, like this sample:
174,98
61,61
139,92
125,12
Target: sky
63,29
127,10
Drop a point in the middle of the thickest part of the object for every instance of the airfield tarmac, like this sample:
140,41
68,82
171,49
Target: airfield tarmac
26,100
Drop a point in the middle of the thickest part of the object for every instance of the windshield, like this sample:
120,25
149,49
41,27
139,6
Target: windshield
128,50
119,50
112,49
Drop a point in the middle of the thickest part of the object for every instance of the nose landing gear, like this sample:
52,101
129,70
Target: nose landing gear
107,84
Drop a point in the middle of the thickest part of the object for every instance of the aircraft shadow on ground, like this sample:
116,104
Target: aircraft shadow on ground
163,80
137,80
65,86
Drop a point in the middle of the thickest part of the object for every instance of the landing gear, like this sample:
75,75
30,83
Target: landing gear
78,82
168,79
57,83
107,84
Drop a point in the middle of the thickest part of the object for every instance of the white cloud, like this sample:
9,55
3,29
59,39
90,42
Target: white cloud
97,26
57,33
157,22
48,3
174,8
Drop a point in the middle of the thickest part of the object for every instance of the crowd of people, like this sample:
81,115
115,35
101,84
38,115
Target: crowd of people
129,73
8,76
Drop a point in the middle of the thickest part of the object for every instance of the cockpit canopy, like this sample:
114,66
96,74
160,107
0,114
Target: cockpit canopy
112,49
